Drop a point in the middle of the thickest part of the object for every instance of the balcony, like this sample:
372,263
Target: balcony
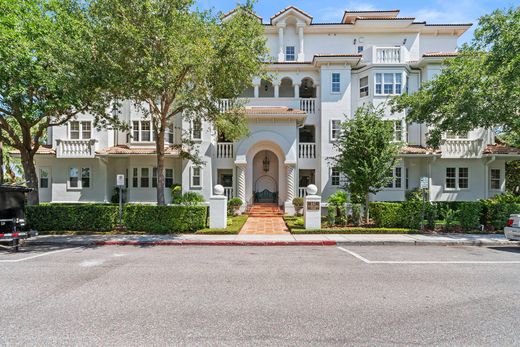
385,55
228,191
225,150
302,192
307,151
461,148
75,149
309,105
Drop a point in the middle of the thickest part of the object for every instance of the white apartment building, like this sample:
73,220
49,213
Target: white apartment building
322,72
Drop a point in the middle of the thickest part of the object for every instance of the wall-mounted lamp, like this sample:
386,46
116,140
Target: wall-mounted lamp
355,41
266,88
404,42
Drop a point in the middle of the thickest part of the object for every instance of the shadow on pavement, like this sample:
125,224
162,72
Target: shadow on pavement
506,249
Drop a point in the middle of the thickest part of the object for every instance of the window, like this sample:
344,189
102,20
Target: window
396,175
336,82
290,53
80,130
145,132
457,178
74,130
86,130
196,129
170,132
85,177
44,178
79,178
389,83
74,177
398,131
334,177
135,128
196,178
363,87
154,177
145,177
463,178
168,178
451,178
135,177
495,179
360,49
335,129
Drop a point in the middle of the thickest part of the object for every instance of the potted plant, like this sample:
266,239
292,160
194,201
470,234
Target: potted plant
298,205
235,204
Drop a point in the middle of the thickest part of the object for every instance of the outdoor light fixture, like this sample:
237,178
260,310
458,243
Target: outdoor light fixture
404,42
266,87
355,41
266,163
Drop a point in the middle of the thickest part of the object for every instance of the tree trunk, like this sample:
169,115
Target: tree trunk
1,159
367,214
160,166
30,176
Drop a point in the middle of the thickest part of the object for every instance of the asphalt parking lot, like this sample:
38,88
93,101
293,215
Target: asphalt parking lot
264,296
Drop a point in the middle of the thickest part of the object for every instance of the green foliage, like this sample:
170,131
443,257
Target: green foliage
367,152
331,214
176,190
386,214
338,199
513,177
236,202
298,204
191,199
103,217
448,216
296,226
72,217
469,214
506,198
234,225
479,88
356,214
164,219
337,208
495,214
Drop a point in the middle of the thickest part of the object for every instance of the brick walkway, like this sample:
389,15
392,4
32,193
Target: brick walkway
265,219
265,226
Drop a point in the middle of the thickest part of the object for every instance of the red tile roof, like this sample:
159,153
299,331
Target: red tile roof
43,150
268,110
501,149
412,149
124,149
291,8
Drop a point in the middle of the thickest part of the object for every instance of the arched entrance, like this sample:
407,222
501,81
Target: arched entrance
265,177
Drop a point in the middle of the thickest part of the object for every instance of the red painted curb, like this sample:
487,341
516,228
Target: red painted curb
215,243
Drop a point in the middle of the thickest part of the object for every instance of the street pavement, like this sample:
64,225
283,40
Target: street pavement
260,296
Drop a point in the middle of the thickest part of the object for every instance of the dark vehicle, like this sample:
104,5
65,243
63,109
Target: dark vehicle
12,216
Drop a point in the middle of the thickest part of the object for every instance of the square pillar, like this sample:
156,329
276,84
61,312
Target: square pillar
312,208
218,209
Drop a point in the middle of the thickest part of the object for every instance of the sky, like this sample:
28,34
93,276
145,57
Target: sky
433,11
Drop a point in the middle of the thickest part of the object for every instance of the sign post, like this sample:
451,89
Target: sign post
424,186
120,184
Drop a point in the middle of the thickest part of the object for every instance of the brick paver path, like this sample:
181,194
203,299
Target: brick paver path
265,225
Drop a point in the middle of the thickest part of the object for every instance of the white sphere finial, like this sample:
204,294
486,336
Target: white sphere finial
312,189
218,190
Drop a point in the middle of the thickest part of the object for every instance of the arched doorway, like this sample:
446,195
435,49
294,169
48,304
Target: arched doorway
265,177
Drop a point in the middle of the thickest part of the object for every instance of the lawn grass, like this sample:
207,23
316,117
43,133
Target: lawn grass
237,223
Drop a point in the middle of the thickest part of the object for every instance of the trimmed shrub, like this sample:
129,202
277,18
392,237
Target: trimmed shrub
469,214
72,217
298,204
104,217
356,214
386,214
165,219
495,215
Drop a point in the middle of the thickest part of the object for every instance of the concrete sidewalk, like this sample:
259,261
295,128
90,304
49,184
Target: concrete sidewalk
274,240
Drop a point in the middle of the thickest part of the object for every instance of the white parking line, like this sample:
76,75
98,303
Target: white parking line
365,260
34,256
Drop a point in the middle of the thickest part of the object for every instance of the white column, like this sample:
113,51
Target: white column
289,208
276,85
218,209
318,91
241,184
257,91
281,53
297,90
301,54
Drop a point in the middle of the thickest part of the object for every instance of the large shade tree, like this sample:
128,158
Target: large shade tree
171,61
478,88
367,153
47,74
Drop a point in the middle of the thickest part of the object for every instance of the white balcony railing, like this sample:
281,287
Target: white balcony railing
302,192
228,191
76,149
225,150
461,148
308,105
388,55
307,151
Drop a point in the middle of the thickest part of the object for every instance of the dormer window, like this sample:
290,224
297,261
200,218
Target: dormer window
80,130
290,53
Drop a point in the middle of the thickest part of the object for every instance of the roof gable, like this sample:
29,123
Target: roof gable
294,11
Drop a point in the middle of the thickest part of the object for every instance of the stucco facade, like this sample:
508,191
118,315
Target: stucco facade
321,73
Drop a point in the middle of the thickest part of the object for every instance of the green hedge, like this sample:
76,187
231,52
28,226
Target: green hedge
495,215
386,214
104,217
401,214
469,214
